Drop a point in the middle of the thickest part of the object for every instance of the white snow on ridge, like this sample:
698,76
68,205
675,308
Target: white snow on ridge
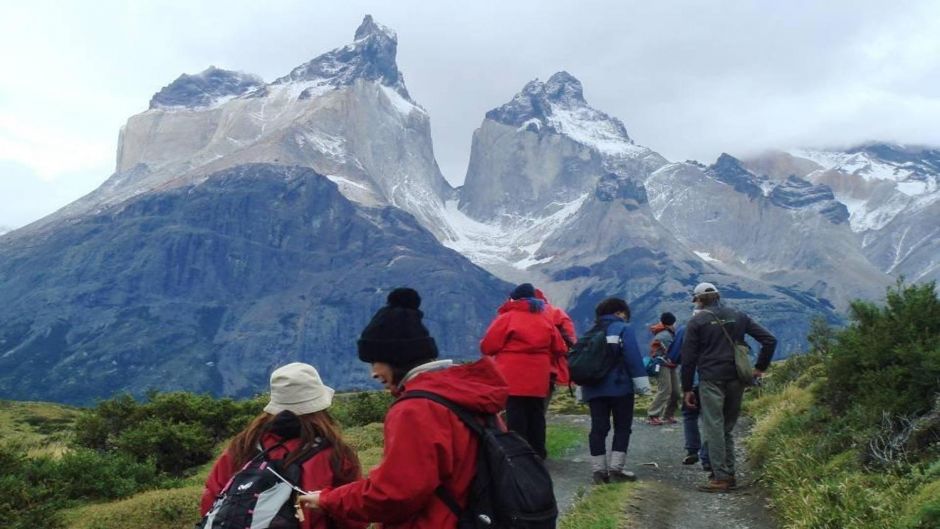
588,127
402,105
705,256
514,242
859,164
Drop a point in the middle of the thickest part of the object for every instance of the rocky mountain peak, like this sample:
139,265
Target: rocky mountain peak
731,171
206,88
370,28
541,100
370,57
564,88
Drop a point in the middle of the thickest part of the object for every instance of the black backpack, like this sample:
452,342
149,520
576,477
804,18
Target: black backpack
511,489
589,360
262,494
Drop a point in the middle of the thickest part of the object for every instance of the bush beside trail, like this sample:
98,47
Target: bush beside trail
848,435
123,448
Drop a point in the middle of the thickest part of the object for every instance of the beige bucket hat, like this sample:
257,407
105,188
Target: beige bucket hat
297,388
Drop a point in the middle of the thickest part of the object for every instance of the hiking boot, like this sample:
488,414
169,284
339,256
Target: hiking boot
670,420
716,485
690,459
600,477
619,476
706,467
654,421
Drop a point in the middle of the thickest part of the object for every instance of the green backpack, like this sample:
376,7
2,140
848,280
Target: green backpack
589,359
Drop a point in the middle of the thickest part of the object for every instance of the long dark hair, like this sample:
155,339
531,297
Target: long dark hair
343,460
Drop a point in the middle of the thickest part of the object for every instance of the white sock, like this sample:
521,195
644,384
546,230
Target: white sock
617,460
599,463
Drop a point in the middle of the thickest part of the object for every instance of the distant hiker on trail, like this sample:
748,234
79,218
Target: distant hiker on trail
427,447
613,396
524,341
709,348
294,428
565,326
663,408
695,450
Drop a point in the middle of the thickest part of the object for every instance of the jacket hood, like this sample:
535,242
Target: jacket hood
657,328
540,295
477,386
523,305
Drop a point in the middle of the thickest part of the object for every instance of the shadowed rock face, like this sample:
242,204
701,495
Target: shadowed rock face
208,288
203,89
798,193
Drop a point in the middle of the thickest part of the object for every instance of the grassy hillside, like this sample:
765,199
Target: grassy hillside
43,427
849,434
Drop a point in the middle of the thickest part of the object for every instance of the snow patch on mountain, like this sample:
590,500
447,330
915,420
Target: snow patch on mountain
515,241
594,129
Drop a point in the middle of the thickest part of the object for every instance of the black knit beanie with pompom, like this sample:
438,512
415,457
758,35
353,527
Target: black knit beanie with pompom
396,335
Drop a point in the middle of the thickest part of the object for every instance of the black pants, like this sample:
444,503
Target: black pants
526,416
602,408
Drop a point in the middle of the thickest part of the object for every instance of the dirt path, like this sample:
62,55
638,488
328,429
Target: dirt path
666,497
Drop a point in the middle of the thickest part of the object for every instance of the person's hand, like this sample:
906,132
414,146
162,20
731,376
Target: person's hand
309,501
689,400
758,374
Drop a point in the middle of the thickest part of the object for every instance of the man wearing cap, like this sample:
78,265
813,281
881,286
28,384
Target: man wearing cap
666,401
707,350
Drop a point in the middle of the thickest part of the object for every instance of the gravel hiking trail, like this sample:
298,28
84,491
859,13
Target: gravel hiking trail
666,497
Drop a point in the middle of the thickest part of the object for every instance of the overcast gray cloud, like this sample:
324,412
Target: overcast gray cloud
688,78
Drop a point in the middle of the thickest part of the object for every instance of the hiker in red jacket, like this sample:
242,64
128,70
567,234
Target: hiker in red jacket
426,445
296,416
525,342
565,326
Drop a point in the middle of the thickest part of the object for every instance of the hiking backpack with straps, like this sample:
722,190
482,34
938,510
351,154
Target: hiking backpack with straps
261,495
511,488
589,360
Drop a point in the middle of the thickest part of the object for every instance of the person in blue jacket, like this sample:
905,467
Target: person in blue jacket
695,449
614,395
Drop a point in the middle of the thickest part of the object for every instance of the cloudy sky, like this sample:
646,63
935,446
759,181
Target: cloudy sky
690,79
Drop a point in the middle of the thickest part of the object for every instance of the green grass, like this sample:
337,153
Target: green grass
43,426
560,438
811,462
600,507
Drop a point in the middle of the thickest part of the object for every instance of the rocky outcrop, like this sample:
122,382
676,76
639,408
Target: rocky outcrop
205,89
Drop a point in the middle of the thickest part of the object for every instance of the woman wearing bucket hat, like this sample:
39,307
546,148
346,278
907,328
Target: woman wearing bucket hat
294,424
427,447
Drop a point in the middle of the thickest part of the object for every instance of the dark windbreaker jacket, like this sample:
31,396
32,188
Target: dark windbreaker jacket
706,349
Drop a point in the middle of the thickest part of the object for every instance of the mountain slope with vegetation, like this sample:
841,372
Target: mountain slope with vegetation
848,435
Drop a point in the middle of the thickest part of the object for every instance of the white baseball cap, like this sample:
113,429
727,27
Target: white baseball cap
297,388
704,288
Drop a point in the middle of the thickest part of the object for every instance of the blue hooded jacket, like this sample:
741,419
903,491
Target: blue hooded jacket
628,376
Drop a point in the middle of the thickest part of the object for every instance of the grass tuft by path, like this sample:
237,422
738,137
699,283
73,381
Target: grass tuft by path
601,507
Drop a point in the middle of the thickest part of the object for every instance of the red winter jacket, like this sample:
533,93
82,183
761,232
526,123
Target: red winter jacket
316,473
524,343
426,445
564,325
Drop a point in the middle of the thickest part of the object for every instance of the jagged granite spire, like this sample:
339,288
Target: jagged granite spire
371,56
204,88
731,171
558,106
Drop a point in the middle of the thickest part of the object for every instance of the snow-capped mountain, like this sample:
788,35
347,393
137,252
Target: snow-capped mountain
790,232
556,192
346,114
534,162
892,193
250,223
